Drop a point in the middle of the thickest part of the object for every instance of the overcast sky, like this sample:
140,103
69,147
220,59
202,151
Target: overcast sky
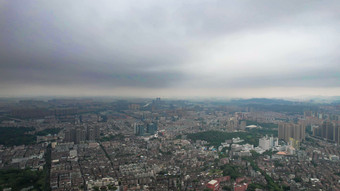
179,48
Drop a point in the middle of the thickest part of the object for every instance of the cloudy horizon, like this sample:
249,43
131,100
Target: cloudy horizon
169,48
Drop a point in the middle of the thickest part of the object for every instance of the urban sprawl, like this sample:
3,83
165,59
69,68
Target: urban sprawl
159,144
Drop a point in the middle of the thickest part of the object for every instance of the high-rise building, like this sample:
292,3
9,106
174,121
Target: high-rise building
291,130
151,128
264,143
338,129
69,135
232,124
267,143
328,130
281,131
336,134
80,135
139,129
93,133
243,125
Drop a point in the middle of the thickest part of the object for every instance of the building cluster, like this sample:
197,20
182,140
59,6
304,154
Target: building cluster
82,133
22,157
145,145
80,166
310,168
267,143
287,131
328,130
141,129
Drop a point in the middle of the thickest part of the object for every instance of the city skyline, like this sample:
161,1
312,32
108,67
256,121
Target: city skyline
169,49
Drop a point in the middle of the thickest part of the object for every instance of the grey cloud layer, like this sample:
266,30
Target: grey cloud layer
156,44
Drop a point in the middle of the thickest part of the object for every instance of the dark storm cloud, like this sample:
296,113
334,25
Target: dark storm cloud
173,44
47,45
50,68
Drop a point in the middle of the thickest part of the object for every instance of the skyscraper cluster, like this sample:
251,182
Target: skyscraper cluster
328,130
150,128
81,134
139,129
291,130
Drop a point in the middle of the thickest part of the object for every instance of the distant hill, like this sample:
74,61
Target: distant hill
262,101
276,105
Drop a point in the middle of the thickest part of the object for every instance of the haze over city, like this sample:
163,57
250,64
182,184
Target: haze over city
204,95
169,49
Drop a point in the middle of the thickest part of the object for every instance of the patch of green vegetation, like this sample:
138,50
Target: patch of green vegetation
224,149
178,137
285,187
254,186
112,187
297,179
215,138
10,136
18,179
162,172
51,131
271,185
251,160
226,188
254,154
231,170
269,152
267,128
215,171
278,164
314,163
264,132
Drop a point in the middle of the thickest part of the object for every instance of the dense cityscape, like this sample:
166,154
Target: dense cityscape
161,144
194,95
